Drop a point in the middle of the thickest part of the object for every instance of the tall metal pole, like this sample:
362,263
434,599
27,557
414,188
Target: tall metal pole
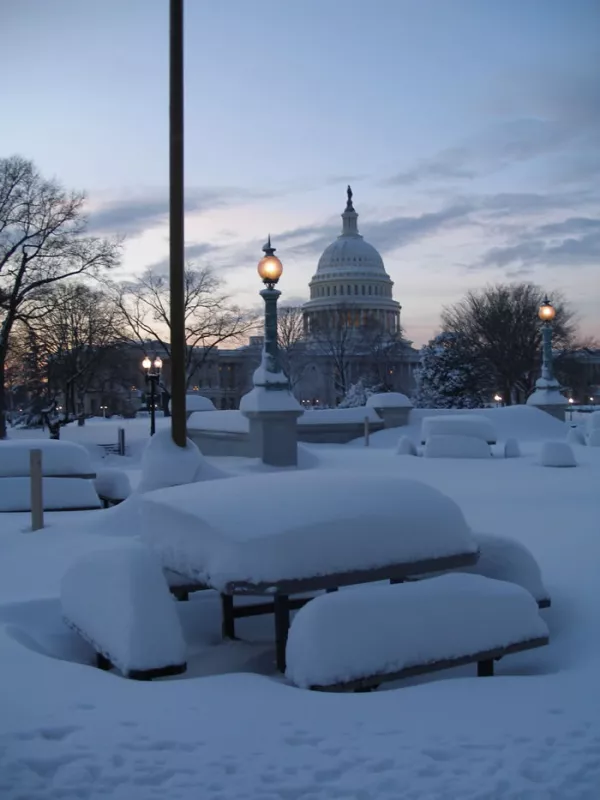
152,405
547,365
176,224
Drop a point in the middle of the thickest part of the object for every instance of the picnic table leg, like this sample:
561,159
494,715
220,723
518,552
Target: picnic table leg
228,622
281,604
485,669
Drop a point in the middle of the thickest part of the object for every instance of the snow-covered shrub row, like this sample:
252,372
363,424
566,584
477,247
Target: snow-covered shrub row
557,454
286,525
119,601
446,446
478,427
58,457
383,629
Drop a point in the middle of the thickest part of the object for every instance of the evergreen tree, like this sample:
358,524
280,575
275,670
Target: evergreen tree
449,376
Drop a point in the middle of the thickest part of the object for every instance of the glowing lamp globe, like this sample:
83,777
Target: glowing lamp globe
158,363
146,363
270,269
547,311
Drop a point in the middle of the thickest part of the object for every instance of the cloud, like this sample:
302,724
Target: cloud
136,214
570,243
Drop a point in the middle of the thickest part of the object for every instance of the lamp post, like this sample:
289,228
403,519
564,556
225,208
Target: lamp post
270,269
546,313
498,399
103,409
153,369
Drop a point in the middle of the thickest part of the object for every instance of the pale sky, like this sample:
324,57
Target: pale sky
469,130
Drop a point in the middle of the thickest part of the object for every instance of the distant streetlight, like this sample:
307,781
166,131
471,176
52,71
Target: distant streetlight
498,398
153,368
104,410
270,269
546,313
571,401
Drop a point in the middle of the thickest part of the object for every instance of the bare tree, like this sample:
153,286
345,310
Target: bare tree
78,333
335,336
210,317
291,342
42,242
501,329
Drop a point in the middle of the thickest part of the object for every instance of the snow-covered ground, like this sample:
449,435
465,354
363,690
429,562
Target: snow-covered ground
232,728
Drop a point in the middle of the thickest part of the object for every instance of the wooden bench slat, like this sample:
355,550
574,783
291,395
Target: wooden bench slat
482,657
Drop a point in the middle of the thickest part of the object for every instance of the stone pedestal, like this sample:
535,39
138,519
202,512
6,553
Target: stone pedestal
393,408
547,397
272,414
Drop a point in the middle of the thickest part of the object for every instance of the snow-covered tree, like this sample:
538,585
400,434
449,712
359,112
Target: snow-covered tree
357,394
449,377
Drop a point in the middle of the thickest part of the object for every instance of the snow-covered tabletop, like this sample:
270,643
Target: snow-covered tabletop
269,532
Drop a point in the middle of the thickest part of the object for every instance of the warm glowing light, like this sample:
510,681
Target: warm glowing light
498,398
270,269
146,363
547,311
571,401
158,363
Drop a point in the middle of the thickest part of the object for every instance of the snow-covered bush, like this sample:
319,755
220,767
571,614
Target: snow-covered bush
357,395
477,427
112,483
119,601
511,448
165,464
557,454
58,458
456,447
575,436
405,447
59,494
346,636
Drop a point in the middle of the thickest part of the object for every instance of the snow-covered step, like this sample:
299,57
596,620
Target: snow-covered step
355,640
118,601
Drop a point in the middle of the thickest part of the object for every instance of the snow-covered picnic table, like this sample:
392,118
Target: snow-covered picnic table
290,533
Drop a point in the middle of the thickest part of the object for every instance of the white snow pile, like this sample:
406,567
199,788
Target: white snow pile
576,436
230,421
478,427
58,458
112,483
197,402
119,601
405,447
505,559
260,399
593,422
389,400
383,629
594,438
58,494
557,454
165,464
511,448
451,446
266,528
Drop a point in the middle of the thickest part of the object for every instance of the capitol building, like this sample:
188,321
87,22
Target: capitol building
351,286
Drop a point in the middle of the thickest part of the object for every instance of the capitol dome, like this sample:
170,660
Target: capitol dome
351,285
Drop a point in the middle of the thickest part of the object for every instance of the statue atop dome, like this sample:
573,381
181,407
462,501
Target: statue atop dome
349,206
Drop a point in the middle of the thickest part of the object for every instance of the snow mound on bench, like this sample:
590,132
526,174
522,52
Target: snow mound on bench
112,483
447,446
58,458
405,447
119,601
511,448
478,427
380,629
165,464
557,454
58,494
267,528
505,559
576,436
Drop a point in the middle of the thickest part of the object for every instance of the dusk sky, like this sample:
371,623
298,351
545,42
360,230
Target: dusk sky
469,130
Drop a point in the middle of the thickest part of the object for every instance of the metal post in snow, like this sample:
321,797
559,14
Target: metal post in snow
367,431
37,498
